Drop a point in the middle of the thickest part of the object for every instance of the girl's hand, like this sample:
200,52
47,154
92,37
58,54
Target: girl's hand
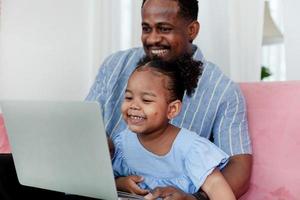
130,184
169,193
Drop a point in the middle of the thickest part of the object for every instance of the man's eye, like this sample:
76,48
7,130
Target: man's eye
165,30
146,29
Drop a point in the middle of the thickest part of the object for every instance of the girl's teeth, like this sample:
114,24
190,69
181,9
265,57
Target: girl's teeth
136,117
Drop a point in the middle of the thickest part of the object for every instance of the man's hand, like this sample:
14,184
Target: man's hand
130,184
169,193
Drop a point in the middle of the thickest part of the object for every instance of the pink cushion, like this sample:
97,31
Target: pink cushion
274,125
4,145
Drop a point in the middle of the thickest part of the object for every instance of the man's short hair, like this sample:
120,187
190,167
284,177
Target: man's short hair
188,9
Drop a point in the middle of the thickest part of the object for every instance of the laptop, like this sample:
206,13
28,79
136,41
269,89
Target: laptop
61,146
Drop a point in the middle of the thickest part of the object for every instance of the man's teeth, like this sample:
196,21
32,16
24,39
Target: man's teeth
159,52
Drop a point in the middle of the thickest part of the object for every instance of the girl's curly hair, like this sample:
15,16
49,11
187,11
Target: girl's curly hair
184,73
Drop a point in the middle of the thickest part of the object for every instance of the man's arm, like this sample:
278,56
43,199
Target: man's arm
232,136
237,173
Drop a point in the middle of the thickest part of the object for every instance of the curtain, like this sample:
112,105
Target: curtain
292,38
117,27
231,36
273,55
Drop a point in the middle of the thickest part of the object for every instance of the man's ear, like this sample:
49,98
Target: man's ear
174,109
193,29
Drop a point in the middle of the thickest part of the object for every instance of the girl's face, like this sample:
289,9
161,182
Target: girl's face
145,107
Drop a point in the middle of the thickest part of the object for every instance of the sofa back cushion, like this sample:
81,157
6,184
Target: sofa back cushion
4,144
274,126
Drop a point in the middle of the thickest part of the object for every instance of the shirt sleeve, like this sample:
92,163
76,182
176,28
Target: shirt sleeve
98,91
231,127
117,160
202,158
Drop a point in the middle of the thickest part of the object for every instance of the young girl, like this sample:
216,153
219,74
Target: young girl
152,152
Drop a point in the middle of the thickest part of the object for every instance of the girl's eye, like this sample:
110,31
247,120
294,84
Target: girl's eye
128,98
147,101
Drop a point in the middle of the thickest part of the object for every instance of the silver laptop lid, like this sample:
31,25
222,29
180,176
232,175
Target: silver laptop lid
60,146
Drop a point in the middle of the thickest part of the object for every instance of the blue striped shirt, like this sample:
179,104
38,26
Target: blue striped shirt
217,107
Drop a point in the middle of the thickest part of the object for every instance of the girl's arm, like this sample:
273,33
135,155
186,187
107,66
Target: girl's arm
216,187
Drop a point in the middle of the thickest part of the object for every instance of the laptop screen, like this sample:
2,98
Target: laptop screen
60,146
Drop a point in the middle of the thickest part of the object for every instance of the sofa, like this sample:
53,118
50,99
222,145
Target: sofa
4,145
274,126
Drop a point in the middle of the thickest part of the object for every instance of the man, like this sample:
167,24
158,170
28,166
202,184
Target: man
217,106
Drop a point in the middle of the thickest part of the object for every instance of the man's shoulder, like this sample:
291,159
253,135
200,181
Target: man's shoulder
124,59
213,75
136,52
211,72
215,80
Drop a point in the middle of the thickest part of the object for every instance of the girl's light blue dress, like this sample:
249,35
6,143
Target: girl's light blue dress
186,166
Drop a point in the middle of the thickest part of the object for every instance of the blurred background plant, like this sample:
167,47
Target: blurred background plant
265,72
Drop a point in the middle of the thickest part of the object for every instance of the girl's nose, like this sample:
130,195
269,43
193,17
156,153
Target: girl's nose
134,106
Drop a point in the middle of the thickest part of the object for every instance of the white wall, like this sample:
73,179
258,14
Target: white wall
292,38
47,49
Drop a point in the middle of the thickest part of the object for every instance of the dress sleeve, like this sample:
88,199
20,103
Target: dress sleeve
202,158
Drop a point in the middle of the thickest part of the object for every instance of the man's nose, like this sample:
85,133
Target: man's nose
154,38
